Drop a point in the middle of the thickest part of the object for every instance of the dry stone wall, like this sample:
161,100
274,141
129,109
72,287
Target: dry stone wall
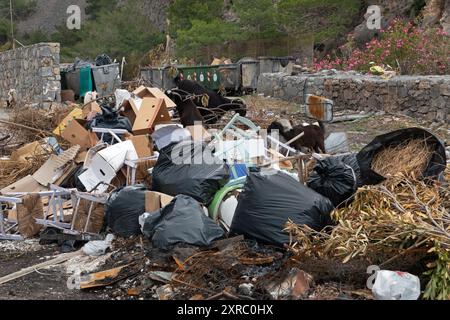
34,72
417,96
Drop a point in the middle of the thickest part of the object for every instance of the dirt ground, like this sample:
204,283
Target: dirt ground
47,284
51,283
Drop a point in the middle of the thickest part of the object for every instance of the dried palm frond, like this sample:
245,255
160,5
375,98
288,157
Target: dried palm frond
408,158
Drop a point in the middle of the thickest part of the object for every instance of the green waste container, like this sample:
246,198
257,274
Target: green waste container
208,76
80,81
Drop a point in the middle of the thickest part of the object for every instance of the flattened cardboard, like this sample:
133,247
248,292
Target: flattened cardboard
76,113
152,112
149,92
76,134
156,200
143,145
27,184
55,167
27,151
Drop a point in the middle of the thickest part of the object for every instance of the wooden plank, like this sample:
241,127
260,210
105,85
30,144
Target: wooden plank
60,259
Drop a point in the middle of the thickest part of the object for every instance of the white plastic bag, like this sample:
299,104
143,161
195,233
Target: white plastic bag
98,248
391,285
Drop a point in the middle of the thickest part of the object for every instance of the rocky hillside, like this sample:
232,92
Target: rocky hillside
429,12
49,14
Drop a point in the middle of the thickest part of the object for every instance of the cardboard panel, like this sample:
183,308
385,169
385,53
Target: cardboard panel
76,134
91,110
156,200
27,151
54,168
27,184
143,145
152,112
76,113
149,92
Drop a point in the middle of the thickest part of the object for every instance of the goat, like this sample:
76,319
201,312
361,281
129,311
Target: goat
187,109
217,104
12,98
313,138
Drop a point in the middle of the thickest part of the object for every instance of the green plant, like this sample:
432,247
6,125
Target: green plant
402,46
438,288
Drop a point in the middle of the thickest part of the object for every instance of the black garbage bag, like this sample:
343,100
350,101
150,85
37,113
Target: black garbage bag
123,208
78,184
181,221
103,60
352,161
333,179
270,199
110,119
365,157
189,168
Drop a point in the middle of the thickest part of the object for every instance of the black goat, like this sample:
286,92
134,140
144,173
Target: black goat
313,138
217,104
187,109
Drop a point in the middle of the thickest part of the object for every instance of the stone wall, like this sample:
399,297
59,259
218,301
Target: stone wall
33,72
418,96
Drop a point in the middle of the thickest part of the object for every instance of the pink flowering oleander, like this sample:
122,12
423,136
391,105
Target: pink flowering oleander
417,52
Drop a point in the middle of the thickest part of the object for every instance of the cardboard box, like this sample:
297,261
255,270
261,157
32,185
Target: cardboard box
91,110
143,145
77,134
152,112
131,108
148,92
105,164
156,200
76,113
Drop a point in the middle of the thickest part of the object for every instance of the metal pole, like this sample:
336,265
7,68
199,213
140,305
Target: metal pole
12,24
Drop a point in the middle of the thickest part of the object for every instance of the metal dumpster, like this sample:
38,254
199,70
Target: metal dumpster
274,64
106,79
159,77
230,77
79,80
249,70
208,76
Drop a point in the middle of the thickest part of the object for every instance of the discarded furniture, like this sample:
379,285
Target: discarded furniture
132,166
113,132
55,210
